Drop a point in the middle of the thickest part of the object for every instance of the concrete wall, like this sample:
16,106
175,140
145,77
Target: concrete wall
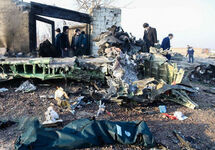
14,26
103,18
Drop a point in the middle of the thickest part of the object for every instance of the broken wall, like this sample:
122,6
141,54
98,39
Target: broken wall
14,25
102,19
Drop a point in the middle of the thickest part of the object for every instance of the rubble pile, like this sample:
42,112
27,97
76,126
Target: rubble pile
122,73
123,66
136,75
204,73
116,36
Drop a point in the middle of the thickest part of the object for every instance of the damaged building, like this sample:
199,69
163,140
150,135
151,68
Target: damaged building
123,65
24,16
76,102
18,19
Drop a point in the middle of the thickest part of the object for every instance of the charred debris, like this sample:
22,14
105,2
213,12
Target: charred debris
122,72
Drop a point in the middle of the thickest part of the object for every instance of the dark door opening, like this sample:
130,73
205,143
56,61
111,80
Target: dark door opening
38,10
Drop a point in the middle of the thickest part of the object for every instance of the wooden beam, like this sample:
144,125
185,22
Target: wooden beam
32,32
60,13
44,20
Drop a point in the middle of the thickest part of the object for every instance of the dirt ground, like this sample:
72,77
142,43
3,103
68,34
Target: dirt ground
199,128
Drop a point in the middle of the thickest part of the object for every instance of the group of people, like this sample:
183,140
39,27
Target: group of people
150,37
78,45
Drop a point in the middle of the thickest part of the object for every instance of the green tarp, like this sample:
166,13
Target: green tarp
84,133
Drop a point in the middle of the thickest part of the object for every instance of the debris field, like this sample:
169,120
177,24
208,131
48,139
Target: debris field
199,125
175,99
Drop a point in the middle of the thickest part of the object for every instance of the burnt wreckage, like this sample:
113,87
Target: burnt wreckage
129,73
122,64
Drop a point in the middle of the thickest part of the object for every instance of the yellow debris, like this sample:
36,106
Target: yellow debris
62,98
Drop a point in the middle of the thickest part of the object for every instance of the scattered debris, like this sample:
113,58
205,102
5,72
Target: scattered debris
162,109
62,98
123,73
175,93
185,144
182,98
77,102
3,90
128,73
65,102
204,73
169,116
85,133
101,108
180,116
25,87
177,115
5,124
51,117
142,77
116,36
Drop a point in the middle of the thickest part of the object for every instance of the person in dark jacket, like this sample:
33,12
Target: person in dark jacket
166,44
76,43
190,52
83,43
58,41
65,42
150,36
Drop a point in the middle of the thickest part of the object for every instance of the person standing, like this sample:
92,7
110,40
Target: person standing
190,52
57,42
83,43
76,43
150,36
65,42
166,44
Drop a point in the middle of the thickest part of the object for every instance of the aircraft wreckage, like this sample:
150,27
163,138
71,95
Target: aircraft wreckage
129,74
83,69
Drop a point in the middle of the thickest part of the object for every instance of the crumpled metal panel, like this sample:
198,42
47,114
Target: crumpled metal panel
158,68
49,68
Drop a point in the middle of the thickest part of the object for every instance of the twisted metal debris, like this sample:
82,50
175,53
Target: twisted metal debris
122,65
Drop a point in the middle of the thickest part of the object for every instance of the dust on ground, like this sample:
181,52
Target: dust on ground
199,126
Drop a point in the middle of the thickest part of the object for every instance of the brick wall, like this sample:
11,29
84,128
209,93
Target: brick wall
14,26
103,18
